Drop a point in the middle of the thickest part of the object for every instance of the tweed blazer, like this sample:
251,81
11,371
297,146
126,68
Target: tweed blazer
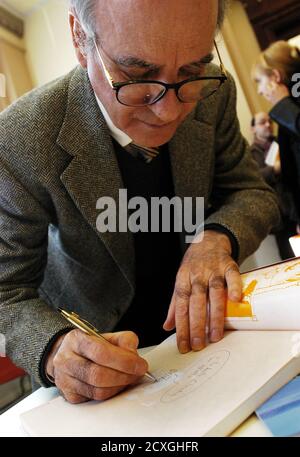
56,161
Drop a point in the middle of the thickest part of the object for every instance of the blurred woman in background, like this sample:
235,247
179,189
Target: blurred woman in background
277,74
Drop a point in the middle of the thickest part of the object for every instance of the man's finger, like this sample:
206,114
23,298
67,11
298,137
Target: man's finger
197,315
95,375
104,353
126,339
73,398
234,283
73,387
169,323
217,300
182,298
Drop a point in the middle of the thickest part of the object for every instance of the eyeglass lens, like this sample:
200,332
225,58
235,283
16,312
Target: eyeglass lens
137,94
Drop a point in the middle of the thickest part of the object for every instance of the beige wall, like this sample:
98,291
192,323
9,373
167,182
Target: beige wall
48,41
243,109
13,66
243,48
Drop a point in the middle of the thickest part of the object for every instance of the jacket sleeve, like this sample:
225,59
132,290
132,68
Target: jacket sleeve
27,322
287,114
241,200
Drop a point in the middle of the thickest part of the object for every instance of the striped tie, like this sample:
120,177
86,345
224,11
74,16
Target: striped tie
145,154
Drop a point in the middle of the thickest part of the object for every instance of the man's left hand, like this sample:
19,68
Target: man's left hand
207,274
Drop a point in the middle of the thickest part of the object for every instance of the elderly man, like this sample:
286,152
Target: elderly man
145,111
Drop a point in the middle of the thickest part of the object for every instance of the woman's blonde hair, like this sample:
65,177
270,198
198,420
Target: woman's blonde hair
279,56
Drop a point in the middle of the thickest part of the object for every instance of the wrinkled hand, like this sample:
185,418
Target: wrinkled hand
207,273
276,92
87,368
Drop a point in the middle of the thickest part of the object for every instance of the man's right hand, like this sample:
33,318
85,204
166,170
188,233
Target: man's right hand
88,368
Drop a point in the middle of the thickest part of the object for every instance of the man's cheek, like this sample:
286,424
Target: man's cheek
123,119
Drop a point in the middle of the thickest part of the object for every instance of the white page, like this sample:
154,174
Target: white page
295,244
271,299
272,155
195,391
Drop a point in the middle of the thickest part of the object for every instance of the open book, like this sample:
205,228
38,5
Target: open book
206,393
273,154
295,244
271,299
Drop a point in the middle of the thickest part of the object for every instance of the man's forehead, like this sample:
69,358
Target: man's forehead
125,20
158,31
132,6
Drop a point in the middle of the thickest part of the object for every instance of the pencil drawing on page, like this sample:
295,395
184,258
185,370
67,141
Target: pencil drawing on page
175,384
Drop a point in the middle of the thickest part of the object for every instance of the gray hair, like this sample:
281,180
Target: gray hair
85,11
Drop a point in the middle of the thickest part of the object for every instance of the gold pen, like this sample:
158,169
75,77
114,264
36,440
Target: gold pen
88,328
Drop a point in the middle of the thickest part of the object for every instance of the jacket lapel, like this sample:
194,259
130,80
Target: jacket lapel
93,172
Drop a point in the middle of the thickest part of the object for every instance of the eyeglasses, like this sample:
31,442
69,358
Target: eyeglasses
146,92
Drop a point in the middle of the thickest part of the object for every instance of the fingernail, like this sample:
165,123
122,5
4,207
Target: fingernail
198,343
184,347
215,335
131,346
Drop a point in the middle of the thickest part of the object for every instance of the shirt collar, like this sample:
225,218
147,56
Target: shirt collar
121,137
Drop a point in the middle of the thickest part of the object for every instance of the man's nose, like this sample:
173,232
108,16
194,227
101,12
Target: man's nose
169,108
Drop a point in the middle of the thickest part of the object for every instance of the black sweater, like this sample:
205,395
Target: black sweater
157,255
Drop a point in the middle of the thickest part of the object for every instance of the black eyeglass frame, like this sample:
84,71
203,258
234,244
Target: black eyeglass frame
176,86
117,86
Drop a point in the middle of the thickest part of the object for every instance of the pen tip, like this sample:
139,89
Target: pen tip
150,376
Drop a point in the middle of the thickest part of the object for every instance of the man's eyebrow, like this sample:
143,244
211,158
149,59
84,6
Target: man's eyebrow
131,61
204,60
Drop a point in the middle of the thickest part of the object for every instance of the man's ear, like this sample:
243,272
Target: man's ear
277,76
79,39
